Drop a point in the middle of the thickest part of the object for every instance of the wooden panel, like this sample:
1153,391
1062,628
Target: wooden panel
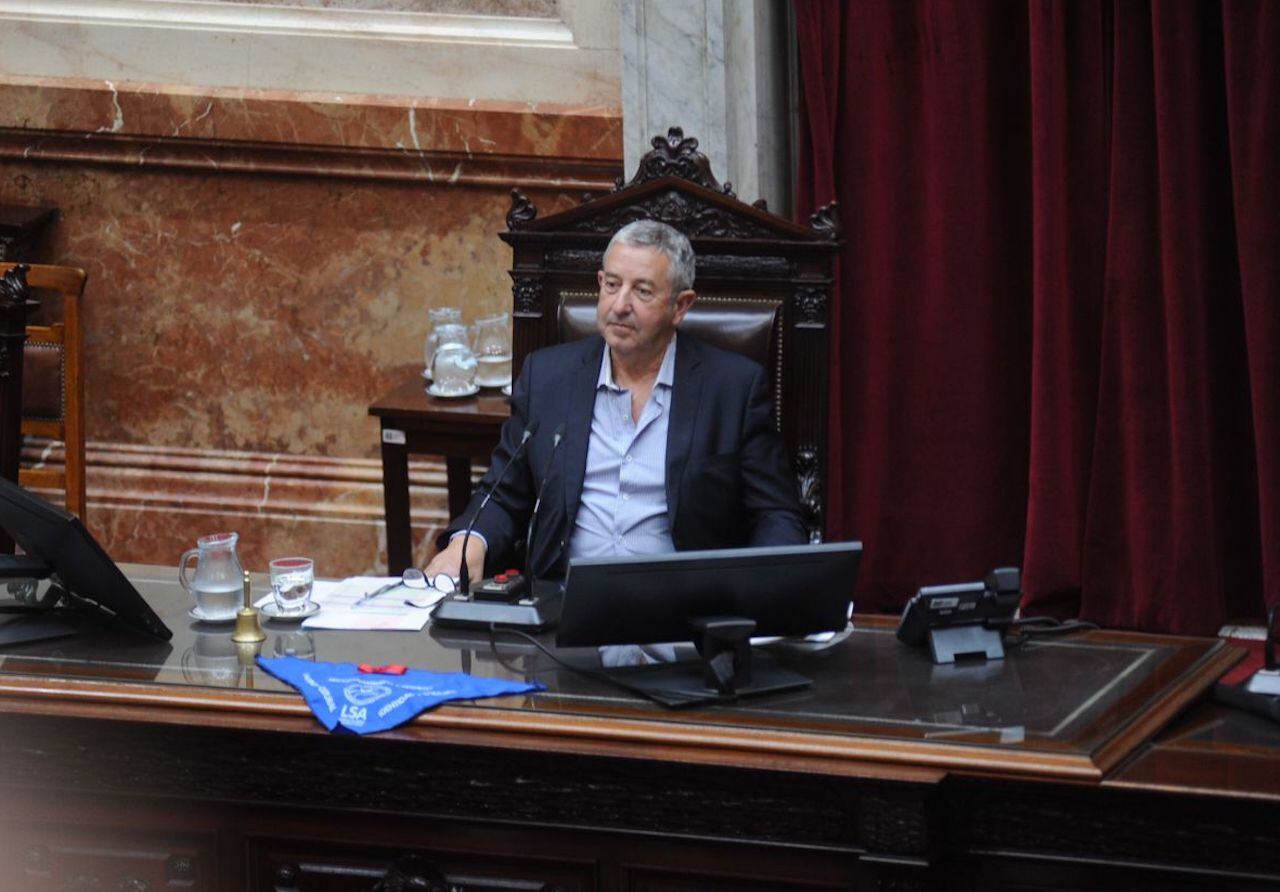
282,866
433,780
35,857
1031,875
657,880
1094,830
672,872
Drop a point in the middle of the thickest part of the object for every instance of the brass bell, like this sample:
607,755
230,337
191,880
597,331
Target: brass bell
248,630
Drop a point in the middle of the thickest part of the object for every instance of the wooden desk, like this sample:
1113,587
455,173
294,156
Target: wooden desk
414,422
183,765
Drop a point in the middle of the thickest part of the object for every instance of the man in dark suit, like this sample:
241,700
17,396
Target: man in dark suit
667,441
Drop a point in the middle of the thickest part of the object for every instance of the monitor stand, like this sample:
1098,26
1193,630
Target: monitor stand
727,669
30,619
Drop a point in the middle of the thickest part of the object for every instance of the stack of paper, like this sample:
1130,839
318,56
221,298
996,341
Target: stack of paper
343,605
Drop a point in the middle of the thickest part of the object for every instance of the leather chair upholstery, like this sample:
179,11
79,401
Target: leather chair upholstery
43,380
752,327
749,327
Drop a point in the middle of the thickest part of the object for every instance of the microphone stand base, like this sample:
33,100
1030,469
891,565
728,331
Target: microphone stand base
535,612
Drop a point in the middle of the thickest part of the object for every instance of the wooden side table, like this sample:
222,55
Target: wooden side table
414,422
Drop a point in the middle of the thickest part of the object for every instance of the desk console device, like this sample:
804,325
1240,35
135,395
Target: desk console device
966,619
58,547
718,600
508,600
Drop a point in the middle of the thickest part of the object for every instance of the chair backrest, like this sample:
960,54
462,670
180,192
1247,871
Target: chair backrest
53,387
763,284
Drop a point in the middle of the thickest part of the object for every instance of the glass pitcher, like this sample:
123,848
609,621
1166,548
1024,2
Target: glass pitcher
453,368
437,317
218,583
493,350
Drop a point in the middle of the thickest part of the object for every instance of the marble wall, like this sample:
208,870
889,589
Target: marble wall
471,49
260,268
528,8
723,70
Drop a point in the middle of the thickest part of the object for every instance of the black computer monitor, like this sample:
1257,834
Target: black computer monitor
56,544
717,599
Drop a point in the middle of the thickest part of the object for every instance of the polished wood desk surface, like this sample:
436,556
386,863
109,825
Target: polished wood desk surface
1070,708
415,423
412,405
1210,750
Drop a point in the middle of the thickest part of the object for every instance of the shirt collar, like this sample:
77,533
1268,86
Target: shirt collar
666,372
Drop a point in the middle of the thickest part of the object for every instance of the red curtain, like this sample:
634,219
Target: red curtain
1057,310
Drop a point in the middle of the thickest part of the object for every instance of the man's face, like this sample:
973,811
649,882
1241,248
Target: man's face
637,313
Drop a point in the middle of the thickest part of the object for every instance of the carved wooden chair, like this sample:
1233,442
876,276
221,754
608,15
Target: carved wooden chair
53,388
762,281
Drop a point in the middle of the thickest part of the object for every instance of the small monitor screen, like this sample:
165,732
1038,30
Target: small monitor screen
58,540
788,590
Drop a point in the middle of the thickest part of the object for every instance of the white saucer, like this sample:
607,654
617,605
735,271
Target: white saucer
470,391
496,384
506,389
272,610
198,615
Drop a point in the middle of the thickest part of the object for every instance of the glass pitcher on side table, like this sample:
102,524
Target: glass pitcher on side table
453,368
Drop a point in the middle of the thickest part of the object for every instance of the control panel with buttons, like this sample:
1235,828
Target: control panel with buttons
505,586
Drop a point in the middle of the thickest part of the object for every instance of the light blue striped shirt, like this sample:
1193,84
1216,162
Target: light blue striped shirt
624,490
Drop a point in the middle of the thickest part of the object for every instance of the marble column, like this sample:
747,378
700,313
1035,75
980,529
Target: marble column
720,69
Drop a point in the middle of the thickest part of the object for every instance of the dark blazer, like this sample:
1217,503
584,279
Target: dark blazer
729,482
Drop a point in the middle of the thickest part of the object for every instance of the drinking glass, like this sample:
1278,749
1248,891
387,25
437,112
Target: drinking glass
292,579
493,350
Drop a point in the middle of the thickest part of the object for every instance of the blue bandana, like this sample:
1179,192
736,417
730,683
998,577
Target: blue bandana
364,703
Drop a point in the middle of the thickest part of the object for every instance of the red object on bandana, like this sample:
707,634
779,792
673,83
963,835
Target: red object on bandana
383,670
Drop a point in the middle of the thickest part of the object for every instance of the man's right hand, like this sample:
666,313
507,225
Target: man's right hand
449,560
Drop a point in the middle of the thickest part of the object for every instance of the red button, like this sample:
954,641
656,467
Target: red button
513,572
501,577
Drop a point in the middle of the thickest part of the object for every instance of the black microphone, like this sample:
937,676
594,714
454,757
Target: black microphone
533,518
464,574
